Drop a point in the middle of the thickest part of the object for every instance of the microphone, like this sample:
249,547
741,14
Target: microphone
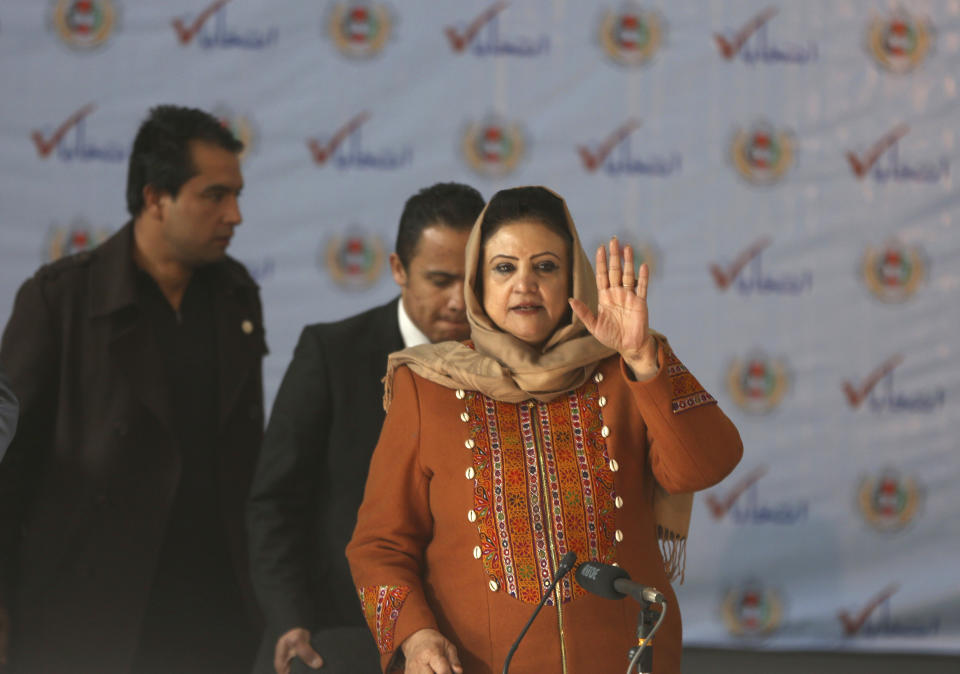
563,568
612,582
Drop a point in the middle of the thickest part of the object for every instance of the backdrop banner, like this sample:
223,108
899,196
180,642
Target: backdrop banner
785,168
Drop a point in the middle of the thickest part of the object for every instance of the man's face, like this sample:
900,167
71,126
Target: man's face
432,283
198,223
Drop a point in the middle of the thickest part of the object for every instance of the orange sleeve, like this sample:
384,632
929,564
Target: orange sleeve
394,525
693,445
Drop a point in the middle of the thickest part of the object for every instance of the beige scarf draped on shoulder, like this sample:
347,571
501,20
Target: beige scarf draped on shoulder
504,368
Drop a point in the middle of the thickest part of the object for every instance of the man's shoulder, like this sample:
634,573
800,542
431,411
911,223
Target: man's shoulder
68,271
381,320
372,331
65,267
65,276
236,273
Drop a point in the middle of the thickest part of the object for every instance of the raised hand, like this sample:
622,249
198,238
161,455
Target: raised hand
622,322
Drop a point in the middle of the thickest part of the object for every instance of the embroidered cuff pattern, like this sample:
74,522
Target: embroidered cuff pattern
381,607
687,391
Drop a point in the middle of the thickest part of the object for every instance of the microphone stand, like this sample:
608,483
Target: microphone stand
648,622
566,563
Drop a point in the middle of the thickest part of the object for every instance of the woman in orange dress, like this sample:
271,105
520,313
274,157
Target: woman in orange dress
564,424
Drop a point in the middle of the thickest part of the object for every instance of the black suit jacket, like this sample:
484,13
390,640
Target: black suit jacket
87,484
313,466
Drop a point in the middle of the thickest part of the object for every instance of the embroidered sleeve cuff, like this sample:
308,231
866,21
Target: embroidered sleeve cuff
381,608
673,382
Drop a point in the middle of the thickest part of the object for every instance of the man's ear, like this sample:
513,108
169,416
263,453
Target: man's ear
153,201
396,268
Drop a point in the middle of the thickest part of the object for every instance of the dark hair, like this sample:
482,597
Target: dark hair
525,203
161,150
447,204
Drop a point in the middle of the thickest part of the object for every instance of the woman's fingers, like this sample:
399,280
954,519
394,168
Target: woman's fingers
602,282
453,659
429,652
438,663
629,278
642,280
615,271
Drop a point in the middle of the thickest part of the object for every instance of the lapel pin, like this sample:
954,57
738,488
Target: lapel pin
247,327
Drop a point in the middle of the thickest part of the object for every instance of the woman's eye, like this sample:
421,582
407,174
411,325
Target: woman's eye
547,266
504,268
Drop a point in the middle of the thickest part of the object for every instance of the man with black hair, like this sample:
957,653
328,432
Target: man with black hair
138,369
322,431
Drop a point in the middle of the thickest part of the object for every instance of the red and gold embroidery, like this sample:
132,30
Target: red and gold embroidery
518,507
687,392
381,607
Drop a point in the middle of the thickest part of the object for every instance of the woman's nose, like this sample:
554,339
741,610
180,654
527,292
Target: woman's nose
526,281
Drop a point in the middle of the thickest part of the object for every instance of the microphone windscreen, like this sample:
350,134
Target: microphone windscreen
598,578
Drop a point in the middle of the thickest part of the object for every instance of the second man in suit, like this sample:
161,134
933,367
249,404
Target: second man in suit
325,423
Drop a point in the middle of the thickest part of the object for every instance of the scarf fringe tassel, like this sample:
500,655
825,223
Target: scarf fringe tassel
673,550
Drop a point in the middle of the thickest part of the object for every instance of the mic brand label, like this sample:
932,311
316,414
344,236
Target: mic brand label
589,571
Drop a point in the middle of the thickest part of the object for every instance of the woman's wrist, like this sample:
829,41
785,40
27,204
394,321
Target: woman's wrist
643,363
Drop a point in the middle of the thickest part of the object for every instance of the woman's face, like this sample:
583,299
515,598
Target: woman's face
526,280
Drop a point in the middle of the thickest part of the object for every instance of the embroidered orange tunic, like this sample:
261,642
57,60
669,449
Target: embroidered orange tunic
471,502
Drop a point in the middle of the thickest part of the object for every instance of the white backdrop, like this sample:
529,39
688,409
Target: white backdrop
786,167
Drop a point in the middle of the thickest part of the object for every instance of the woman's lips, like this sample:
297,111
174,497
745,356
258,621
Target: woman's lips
526,308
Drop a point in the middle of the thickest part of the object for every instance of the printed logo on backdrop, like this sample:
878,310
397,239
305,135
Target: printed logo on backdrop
752,610
747,504
76,237
895,271
889,501
345,149
481,37
899,41
241,126
84,25
756,280
632,34
763,154
360,30
494,146
892,169
753,44
615,155
68,141
876,618
758,383
211,28
881,393
354,259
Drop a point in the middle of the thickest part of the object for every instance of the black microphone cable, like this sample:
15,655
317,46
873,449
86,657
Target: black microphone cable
566,563
645,641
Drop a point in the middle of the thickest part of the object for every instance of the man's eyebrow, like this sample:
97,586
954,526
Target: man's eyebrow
220,187
441,273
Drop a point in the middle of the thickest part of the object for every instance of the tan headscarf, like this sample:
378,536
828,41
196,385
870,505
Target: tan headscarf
505,368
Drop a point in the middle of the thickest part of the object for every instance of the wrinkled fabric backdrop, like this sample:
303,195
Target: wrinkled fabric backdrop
786,168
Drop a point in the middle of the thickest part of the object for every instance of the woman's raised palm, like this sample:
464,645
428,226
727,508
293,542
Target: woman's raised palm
621,322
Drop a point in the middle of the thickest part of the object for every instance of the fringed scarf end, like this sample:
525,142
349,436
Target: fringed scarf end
673,551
